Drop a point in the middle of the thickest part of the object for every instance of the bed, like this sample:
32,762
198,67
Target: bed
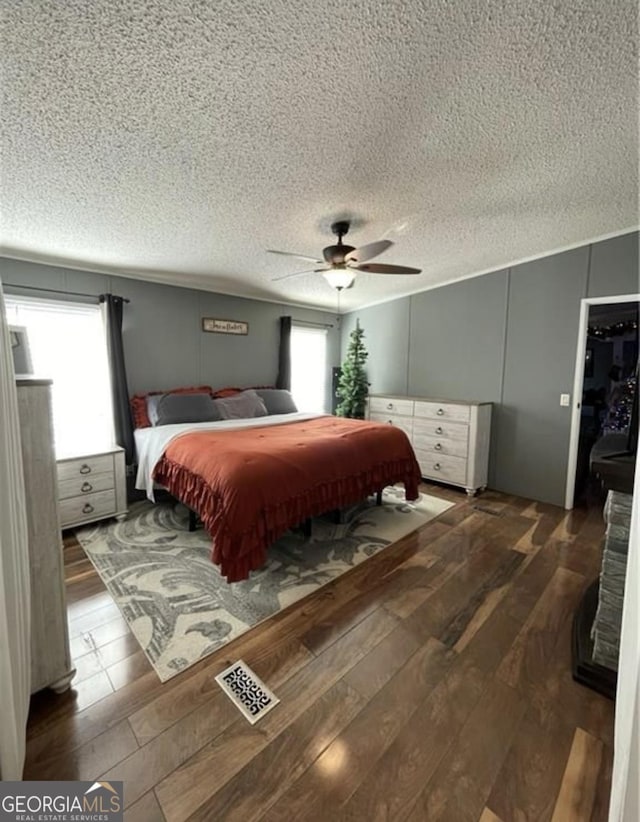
251,480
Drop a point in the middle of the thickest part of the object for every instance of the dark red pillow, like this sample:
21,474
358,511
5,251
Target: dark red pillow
221,393
138,402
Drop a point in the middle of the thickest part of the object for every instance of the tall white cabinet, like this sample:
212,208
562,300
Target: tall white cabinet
450,438
50,657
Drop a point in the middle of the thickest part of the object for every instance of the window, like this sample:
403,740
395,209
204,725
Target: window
68,344
309,367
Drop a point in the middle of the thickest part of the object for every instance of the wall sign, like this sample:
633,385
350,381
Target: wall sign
224,326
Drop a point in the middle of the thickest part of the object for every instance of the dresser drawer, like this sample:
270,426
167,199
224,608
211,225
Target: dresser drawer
440,445
441,429
86,508
85,466
82,485
405,423
391,405
442,467
442,411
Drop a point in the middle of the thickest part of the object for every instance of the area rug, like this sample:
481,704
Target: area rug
181,609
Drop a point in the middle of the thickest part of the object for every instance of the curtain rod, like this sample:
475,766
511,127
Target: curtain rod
311,324
67,293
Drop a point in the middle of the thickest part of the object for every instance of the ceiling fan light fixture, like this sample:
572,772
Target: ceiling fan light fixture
339,278
343,261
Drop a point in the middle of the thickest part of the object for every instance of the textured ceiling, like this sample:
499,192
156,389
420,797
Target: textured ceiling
178,140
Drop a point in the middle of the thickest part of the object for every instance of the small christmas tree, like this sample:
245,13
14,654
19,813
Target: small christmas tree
620,405
353,386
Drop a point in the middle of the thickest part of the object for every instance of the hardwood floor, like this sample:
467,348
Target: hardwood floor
432,682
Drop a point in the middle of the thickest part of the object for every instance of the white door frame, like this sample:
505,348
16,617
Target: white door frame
578,380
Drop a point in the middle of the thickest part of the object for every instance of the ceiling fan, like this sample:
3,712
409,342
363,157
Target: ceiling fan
344,261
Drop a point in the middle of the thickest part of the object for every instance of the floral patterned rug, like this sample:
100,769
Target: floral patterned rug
179,607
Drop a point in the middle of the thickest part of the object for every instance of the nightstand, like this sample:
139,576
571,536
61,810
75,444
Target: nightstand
92,486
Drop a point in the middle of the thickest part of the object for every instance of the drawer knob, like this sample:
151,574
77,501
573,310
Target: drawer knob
437,466
390,406
390,422
87,508
436,447
440,412
86,486
85,469
439,430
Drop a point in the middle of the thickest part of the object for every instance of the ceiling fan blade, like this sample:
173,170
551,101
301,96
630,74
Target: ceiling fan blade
299,273
368,252
378,268
293,254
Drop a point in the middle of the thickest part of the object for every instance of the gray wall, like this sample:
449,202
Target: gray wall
613,268
508,337
387,341
164,344
449,358
531,436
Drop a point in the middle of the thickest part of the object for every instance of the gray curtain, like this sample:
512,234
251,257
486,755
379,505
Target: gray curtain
284,355
122,422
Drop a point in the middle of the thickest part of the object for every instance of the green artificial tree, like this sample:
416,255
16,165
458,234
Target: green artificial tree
353,386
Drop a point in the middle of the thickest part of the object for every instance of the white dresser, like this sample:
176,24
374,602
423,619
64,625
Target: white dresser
50,657
450,438
91,486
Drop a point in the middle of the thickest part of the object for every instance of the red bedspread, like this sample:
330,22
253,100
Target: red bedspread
250,485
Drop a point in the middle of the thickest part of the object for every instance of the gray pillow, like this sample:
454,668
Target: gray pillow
243,406
175,408
277,400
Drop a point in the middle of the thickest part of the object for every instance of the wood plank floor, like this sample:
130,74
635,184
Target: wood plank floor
430,683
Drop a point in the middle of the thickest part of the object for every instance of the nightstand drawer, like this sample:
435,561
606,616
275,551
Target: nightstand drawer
443,468
391,405
405,423
85,466
81,486
86,508
442,411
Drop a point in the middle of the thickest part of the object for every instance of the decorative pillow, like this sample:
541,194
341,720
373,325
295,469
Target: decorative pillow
138,402
221,393
277,400
243,406
175,408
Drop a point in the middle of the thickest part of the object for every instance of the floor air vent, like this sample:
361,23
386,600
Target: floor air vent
249,693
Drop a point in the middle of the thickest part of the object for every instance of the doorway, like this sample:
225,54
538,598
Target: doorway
605,382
